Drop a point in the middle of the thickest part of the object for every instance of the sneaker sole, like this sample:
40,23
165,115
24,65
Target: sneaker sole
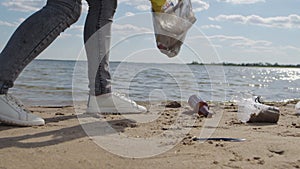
20,123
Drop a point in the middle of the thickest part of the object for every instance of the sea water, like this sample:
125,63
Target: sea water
51,82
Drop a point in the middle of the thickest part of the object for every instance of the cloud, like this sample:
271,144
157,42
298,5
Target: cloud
238,43
241,41
129,14
65,35
77,27
247,45
127,29
245,49
242,1
199,5
140,5
4,23
290,47
144,5
291,21
211,27
12,24
31,5
23,5
123,29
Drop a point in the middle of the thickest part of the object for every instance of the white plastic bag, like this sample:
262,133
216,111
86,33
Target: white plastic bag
246,107
171,24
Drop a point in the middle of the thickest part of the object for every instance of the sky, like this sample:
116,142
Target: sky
236,31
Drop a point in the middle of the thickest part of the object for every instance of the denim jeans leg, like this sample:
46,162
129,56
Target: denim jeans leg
97,37
33,36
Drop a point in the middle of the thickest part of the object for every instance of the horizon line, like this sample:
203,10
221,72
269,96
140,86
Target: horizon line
190,63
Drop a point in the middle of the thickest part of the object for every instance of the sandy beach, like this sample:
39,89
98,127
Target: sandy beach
63,143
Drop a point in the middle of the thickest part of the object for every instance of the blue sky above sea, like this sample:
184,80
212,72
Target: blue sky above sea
236,31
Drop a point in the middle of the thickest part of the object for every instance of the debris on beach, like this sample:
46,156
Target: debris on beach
251,111
199,106
59,114
173,104
268,115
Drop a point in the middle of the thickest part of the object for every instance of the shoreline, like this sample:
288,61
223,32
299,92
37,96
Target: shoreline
71,104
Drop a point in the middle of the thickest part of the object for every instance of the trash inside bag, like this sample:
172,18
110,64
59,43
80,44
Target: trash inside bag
171,20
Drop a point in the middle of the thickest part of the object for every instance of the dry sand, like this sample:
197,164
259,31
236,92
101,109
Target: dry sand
63,144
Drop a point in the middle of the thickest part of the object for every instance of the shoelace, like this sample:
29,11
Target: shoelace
16,103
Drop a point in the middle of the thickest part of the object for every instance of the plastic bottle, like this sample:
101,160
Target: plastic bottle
169,4
199,106
297,108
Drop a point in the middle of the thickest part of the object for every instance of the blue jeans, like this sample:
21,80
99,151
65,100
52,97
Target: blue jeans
38,31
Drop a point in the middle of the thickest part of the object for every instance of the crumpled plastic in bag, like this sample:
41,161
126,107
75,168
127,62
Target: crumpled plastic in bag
171,20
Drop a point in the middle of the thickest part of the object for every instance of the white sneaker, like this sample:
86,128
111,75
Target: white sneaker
12,112
113,103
